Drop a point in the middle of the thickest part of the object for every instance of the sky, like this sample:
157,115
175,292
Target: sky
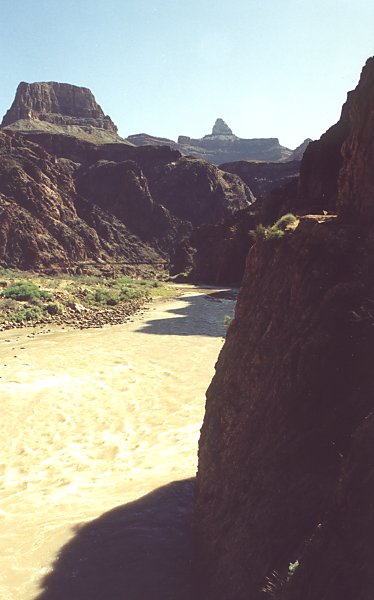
269,68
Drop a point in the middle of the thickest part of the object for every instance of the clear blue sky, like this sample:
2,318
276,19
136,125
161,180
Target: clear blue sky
269,68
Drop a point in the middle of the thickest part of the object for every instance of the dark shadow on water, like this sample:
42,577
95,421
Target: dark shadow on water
139,551
201,314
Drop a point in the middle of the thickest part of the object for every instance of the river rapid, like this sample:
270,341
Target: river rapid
98,441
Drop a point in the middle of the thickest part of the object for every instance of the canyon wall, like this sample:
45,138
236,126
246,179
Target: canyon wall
69,194
285,476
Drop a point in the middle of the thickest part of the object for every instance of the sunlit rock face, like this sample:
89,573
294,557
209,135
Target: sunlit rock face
285,477
60,103
59,108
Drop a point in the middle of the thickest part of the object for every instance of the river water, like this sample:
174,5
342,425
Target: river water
98,442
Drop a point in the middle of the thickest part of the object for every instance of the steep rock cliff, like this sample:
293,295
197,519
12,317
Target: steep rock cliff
284,486
59,108
340,162
41,224
356,178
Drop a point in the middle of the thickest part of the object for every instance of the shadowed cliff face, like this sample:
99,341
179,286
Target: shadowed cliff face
76,201
285,469
263,177
339,165
356,178
199,192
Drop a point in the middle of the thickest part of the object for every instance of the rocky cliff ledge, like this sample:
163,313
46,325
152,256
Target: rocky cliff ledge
285,479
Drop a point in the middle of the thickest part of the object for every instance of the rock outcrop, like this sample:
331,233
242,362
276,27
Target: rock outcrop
221,128
59,108
284,486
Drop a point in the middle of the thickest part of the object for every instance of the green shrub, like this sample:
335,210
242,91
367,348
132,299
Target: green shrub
130,293
30,313
102,297
25,290
276,231
6,272
284,221
274,234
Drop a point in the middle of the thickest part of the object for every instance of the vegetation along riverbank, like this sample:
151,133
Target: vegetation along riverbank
30,299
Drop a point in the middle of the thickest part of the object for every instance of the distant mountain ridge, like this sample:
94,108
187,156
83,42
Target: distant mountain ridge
223,146
53,107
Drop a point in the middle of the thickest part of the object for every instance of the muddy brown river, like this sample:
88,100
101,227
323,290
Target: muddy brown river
99,432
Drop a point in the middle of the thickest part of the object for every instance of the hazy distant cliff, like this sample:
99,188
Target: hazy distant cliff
285,479
222,146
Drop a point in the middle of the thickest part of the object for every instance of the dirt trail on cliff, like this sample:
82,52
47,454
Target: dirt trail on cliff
93,422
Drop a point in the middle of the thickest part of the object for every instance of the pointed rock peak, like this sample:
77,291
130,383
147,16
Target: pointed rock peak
221,128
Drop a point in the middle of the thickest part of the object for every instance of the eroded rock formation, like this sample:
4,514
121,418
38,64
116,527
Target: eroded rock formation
221,128
59,108
284,487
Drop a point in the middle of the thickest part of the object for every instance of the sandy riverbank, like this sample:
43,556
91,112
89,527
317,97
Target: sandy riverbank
91,421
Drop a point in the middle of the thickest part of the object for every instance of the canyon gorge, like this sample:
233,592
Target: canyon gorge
282,505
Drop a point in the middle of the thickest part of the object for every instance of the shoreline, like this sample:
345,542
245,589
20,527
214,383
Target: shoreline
86,318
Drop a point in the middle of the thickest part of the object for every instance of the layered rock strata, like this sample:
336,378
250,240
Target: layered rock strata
59,108
284,486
